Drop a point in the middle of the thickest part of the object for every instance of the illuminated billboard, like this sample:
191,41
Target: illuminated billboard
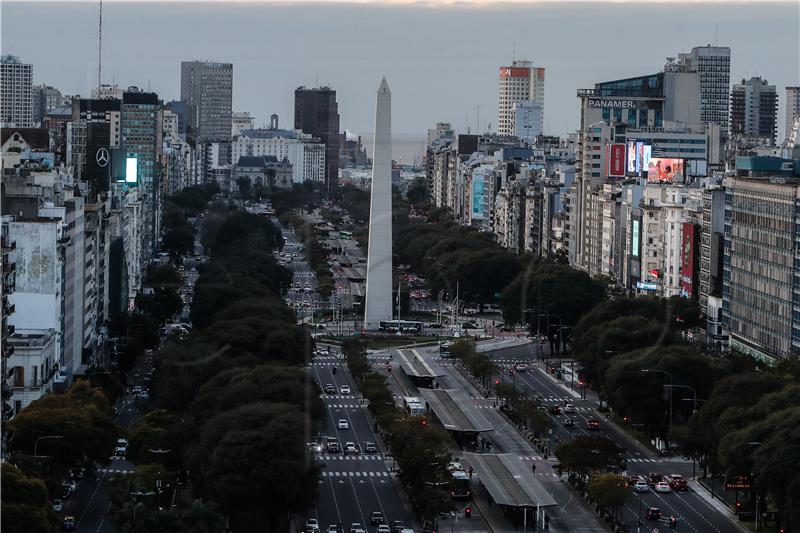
478,183
635,239
131,170
615,160
664,170
632,156
689,259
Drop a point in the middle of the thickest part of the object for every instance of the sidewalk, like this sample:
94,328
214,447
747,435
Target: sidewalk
703,492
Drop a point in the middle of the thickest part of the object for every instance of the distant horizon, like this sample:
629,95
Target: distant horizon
440,59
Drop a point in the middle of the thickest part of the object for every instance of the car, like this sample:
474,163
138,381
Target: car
68,524
397,526
343,424
592,424
333,528
345,389
653,513
311,526
569,408
383,528
662,486
369,447
122,441
654,478
355,527
569,423
641,486
350,447
521,367
377,518
77,472
455,466
332,446
57,506
70,485
678,483
330,389
555,410
120,451
315,447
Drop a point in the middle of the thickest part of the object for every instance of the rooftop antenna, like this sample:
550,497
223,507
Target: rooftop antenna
316,79
99,48
716,40
514,52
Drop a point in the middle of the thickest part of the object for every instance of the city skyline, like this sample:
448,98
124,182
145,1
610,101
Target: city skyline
438,78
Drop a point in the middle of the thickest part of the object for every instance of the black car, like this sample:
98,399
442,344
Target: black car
556,410
654,513
330,389
369,447
397,526
377,518
569,423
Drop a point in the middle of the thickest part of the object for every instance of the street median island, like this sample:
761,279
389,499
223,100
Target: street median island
455,413
509,481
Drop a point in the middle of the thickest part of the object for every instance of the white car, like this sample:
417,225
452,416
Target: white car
350,447
312,525
663,486
345,389
569,408
383,528
57,506
641,486
344,424
120,451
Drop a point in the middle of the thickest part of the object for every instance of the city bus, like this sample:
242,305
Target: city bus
403,326
459,485
444,349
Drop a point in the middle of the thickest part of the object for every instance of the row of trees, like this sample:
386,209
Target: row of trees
231,407
421,449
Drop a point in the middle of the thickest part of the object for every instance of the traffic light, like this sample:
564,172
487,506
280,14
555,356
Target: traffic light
468,512
625,419
497,381
673,522
738,506
389,367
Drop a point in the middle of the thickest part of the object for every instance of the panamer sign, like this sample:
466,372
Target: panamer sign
612,103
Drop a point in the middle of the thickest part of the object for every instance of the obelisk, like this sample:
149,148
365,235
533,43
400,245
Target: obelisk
379,249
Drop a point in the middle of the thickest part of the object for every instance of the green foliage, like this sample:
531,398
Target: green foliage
610,491
252,462
162,304
163,275
551,288
26,506
256,230
584,455
82,417
178,241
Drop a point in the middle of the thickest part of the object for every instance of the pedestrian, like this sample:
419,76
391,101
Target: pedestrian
533,468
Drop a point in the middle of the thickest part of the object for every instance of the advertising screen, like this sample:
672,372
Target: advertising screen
635,239
477,196
632,156
688,269
615,155
664,170
131,170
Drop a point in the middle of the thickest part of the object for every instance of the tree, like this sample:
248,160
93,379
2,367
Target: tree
26,505
610,491
550,288
252,462
178,240
82,418
163,275
584,455
157,430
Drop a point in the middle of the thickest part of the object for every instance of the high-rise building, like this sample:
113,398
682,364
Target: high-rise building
242,121
141,139
713,63
792,108
45,99
520,82
527,121
760,305
754,109
207,89
16,96
317,113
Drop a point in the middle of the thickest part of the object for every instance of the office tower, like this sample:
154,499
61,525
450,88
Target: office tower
527,121
16,98
521,82
713,63
45,99
792,109
207,89
142,140
754,109
317,113
379,249
759,304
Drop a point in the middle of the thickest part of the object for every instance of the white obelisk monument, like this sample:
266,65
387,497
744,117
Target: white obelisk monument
379,250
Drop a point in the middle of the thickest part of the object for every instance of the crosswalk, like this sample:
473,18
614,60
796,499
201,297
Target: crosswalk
643,460
320,358
344,457
530,458
344,405
326,363
354,474
337,397
114,471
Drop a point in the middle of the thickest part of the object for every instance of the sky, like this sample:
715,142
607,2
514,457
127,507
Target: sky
440,58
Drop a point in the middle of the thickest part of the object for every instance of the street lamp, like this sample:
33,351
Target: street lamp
648,370
694,393
36,444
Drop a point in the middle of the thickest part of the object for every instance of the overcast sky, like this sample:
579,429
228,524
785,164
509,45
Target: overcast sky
440,60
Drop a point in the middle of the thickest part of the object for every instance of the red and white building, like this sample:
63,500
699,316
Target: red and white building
520,82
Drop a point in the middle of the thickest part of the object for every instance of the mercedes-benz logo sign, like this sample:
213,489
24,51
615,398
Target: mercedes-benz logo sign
102,157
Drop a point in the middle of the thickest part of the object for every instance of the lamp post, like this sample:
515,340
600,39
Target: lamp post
36,444
649,370
694,393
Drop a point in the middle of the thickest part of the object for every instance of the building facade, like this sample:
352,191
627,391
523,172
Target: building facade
754,110
16,96
316,113
713,63
306,154
207,89
792,109
520,82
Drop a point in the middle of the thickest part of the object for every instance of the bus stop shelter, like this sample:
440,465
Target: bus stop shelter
421,372
511,483
456,413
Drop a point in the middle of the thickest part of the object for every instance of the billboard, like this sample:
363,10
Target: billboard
615,160
631,156
516,72
664,170
644,286
131,170
635,239
98,157
689,258
477,196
